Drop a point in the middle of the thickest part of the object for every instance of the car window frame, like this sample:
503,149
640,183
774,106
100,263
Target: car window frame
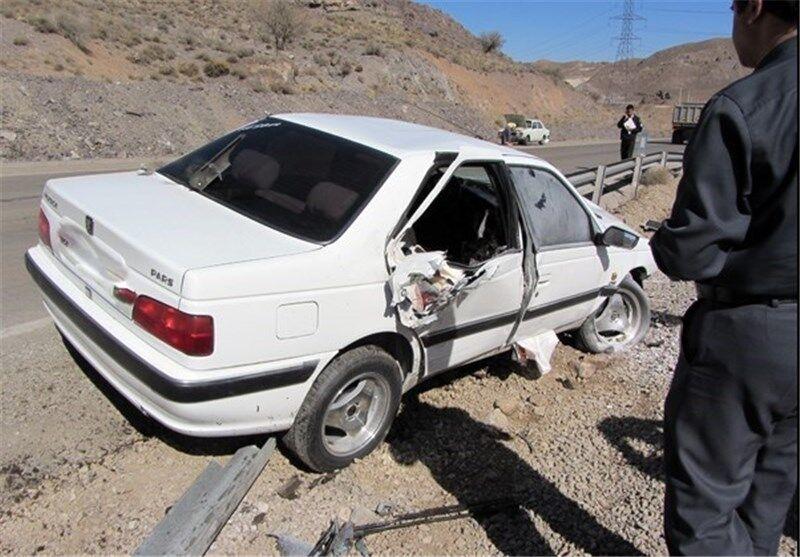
593,227
511,211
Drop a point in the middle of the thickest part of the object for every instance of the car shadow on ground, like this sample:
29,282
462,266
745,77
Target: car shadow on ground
148,427
469,460
630,435
666,318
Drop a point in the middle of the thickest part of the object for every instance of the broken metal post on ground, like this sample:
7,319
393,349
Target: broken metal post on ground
192,524
598,184
339,538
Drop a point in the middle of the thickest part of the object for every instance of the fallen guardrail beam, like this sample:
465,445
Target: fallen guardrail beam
195,520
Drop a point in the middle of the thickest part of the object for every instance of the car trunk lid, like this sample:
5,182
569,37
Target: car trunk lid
107,225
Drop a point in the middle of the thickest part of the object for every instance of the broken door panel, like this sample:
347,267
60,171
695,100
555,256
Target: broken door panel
480,320
457,268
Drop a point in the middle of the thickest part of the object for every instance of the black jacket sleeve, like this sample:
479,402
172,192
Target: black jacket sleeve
711,212
638,122
621,122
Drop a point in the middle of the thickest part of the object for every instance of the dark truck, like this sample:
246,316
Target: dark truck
684,120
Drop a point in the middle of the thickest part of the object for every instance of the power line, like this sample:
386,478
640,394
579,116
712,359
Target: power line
626,36
680,11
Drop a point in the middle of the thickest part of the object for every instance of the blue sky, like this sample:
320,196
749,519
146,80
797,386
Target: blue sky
585,30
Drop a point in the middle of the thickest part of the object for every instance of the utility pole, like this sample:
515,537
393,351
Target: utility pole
626,39
626,36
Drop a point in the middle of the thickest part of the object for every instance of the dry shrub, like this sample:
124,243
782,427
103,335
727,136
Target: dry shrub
189,69
20,41
216,68
69,27
281,87
655,175
491,41
152,53
280,20
373,49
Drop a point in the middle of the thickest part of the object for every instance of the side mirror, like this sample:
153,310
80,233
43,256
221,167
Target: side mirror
614,236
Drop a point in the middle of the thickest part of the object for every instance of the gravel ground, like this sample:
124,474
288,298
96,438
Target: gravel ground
84,473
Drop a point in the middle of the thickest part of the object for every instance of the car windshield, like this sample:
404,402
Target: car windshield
290,177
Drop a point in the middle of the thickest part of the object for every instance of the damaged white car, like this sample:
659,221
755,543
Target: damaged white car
303,271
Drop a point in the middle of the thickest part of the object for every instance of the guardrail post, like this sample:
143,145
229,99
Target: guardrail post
663,158
599,180
637,173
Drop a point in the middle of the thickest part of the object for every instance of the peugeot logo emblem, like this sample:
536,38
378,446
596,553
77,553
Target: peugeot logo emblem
89,225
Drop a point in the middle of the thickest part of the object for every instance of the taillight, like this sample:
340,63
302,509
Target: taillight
191,334
44,228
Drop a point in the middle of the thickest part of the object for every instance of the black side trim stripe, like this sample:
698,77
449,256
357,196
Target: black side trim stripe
561,304
178,391
469,329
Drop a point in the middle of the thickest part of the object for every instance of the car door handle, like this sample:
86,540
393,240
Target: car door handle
544,280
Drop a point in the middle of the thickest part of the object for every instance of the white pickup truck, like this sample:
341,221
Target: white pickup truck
302,272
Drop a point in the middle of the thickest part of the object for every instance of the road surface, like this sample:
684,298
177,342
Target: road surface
21,186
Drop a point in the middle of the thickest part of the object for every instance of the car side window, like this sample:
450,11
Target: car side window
557,218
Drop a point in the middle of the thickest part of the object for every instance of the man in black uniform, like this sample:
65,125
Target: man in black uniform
629,126
730,419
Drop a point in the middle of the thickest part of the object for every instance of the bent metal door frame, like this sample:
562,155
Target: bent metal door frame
455,339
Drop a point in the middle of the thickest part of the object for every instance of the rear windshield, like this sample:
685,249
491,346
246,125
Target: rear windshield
298,180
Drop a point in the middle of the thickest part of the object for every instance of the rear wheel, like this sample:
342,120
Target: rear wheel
348,409
522,140
621,321
545,140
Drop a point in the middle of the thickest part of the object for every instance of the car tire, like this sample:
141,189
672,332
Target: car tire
522,141
628,310
337,398
545,140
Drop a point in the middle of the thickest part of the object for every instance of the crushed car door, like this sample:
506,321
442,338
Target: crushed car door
571,270
457,265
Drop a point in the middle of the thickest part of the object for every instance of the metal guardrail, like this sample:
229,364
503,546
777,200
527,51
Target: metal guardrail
592,184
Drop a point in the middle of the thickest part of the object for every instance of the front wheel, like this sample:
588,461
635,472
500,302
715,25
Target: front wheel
621,321
348,410
545,140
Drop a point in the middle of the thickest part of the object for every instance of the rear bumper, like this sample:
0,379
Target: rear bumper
225,402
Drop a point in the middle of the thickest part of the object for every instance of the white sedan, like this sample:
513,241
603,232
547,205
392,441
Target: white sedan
302,272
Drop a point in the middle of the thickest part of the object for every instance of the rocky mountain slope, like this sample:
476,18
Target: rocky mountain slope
83,78
688,72
110,78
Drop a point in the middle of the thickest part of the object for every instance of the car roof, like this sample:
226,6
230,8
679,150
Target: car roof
396,137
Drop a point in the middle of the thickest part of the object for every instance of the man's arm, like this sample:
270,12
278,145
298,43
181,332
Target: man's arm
711,214
621,122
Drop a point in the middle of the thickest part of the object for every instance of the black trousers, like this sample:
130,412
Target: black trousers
626,146
730,430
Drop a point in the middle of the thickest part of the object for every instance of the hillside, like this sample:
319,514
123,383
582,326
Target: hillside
688,72
89,78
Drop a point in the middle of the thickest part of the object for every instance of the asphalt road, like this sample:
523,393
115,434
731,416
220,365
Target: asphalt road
21,186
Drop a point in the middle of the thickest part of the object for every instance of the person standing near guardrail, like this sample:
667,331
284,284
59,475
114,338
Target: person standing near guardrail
629,127
730,418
